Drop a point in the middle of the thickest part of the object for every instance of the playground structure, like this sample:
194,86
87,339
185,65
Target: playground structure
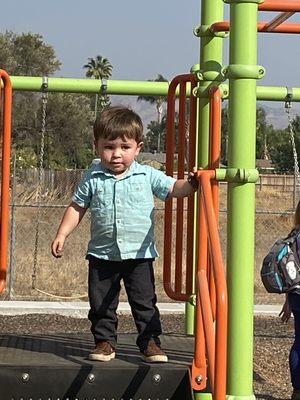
222,364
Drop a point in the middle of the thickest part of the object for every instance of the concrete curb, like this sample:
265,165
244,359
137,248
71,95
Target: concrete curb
79,309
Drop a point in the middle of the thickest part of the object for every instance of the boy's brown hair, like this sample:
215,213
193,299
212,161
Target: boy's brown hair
115,122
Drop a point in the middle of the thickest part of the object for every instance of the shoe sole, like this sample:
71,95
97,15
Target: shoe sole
155,359
101,357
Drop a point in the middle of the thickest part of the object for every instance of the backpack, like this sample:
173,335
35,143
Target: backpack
280,272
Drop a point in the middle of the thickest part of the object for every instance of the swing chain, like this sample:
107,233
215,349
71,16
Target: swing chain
40,176
288,106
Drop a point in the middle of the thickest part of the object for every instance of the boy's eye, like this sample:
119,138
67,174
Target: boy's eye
108,147
126,147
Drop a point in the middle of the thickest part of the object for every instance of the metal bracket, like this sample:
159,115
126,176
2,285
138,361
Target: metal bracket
238,175
44,85
204,30
192,300
288,97
209,76
203,90
243,1
243,71
103,87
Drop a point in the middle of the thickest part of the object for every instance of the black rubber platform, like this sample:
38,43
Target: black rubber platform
55,367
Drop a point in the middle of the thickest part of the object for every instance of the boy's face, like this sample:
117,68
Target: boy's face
117,155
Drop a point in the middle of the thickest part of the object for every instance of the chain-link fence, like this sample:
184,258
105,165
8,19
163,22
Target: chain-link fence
35,217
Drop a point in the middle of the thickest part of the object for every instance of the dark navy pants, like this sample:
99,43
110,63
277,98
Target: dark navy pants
104,289
294,359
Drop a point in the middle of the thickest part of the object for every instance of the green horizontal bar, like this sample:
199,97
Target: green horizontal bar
134,88
270,93
69,85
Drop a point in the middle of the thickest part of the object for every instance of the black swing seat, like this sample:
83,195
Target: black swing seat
56,367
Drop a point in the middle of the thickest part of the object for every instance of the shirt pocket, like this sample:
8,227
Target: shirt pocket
101,201
139,194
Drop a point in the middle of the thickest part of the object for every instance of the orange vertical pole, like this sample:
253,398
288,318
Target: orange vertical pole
191,199
199,367
4,224
214,162
221,292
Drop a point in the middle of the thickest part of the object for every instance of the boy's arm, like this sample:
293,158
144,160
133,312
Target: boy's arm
72,217
183,188
286,311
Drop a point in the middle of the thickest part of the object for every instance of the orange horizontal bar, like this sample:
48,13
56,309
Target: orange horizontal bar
279,5
261,27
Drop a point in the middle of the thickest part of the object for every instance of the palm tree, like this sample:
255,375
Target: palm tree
158,101
99,68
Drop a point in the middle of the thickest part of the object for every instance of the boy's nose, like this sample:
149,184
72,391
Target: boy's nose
117,153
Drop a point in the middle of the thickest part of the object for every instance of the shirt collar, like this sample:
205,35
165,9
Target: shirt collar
98,168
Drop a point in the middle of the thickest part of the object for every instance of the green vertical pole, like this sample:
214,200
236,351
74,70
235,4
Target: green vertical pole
211,51
242,73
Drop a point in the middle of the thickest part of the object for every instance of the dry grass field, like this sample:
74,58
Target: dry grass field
68,276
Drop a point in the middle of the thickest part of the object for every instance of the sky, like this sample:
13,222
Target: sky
140,38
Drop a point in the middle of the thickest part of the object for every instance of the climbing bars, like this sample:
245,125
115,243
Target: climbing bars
276,25
185,132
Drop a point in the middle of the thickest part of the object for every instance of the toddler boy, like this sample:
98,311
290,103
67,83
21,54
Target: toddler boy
119,193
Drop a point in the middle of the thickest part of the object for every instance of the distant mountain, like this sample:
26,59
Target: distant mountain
276,114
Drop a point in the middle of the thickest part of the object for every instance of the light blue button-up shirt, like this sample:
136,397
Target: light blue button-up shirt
122,210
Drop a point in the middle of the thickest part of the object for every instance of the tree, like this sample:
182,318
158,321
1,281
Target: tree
68,138
158,101
281,150
263,129
155,130
263,134
99,68
27,54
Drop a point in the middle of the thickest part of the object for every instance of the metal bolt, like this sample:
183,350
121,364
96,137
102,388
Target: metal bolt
156,378
91,378
25,377
198,379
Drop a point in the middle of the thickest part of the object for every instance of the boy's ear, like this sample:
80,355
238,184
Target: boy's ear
139,146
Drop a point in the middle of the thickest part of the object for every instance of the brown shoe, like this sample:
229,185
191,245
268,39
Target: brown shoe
295,395
102,352
154,354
